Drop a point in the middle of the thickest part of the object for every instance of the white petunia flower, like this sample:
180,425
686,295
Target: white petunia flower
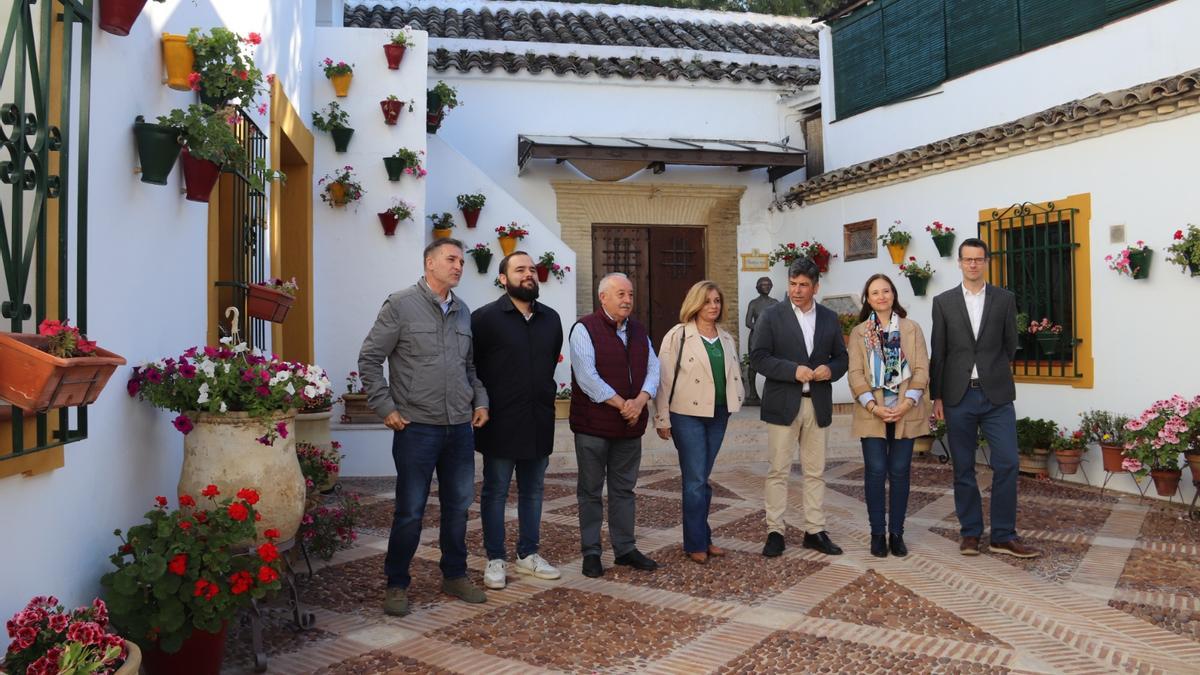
203,398
224,408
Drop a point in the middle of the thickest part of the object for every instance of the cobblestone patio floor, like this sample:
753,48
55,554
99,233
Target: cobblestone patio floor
1118,590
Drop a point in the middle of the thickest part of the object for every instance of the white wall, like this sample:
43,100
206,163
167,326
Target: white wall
1156,43
1134,323
146,300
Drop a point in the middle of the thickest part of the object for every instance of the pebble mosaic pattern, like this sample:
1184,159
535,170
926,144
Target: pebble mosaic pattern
741,577
381,661
786,651
656,512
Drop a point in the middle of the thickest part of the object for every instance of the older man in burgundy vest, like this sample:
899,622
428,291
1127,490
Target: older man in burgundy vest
614,373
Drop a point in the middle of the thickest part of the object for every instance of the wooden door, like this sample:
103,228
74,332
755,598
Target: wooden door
623,249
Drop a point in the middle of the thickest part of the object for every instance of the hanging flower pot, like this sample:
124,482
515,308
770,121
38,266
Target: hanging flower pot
821,258
337,194
1113,455
341,138
483,261
267,303
442,232
1139,262
945,245
1048,342
341,83
200,176
896,251
395,167
158,148
1068,460
394,54
117,16
471,216
391,110
919,285
35,380
214,101
508,244
179,60
433,121
543,273
1166,481
389,221
201,654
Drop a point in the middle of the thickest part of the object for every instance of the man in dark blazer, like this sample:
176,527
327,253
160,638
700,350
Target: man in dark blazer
973,343
517,343
797,345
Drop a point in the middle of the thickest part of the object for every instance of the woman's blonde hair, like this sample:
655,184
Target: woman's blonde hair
696,296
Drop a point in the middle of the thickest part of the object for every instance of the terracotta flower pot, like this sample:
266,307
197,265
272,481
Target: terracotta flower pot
897,253
200,176
1068,460
1194,463
433,121
1166,481
179,61
201,654
158,148
508,244
543,273
117,16
357,411
266,303
471,216
391,110
35,380
822,261
341,83
389,221
945,245
341,138
1113,456
562,408
482,261
442,232
337,194
394,54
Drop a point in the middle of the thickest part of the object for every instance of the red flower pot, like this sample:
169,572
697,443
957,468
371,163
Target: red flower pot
1166,481
391,110
1113,456
389,221
543,273
268,304
394,54
433,121
471,216
117,16
200,175
822,261
201,654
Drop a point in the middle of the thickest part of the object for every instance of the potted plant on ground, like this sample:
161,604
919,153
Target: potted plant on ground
482,253
943,238
404,162
1192,451
509,235
320,466
179,60
1068,449
270,300
442,224
44,638
546,266
396,44
225,72
917,274
1156,439
438,100
333,119
847,321
1022,330
56,368
1132,261
1108,430
354,401
184,574
471,205
237,411
339,74
117,16
211,144
562,401
1034,438
1185,250
896,241
1047,335
316,407
328,528
341,187
392,107
398,211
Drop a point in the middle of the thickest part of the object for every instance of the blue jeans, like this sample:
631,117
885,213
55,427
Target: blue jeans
888,460
998,423
497,475
418,451
697,440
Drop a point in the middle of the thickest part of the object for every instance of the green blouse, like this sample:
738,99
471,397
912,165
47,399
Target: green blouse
716,358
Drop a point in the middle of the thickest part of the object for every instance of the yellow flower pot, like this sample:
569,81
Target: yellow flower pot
508,245
897,253
337,193
341,83
178,59
441,233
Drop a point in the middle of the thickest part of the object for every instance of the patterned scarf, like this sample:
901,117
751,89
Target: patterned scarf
889,367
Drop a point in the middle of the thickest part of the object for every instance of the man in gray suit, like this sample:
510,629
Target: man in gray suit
797,345
973,343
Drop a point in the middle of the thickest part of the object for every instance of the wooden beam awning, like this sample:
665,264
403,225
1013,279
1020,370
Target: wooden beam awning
639,153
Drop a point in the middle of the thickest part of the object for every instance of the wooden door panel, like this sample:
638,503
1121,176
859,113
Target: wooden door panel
677,261
623,249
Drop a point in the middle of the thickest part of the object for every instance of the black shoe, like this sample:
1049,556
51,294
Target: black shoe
820,542
637,561
592,567
879,547
775,546
896,542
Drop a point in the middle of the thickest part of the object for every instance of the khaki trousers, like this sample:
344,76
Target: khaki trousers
781,440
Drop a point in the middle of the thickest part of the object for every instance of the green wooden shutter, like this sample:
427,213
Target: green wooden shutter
1047,21
980,33
914,46
858,74
1115,9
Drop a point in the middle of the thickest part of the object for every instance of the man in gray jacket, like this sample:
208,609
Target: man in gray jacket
431,400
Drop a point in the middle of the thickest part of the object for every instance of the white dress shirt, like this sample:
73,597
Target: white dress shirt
808,326
975,312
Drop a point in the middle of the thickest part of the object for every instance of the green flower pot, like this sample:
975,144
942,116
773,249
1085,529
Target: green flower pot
1139,263
945,245
158,148
341,138
483,261
1048,342
919,285
394,166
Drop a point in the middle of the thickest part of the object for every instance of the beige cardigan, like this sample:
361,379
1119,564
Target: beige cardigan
916,422
695,390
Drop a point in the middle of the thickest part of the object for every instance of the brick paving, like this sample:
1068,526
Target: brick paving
1117,590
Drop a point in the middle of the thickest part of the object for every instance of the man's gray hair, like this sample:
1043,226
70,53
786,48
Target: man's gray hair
605,282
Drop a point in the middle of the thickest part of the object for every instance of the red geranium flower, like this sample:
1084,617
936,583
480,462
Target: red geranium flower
186,500
268,552
160,500
237,511
271,533
178,564
267,574
210,491
248,495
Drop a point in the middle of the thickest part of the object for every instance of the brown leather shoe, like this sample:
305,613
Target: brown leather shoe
716,551
699,557
969,546
1014,548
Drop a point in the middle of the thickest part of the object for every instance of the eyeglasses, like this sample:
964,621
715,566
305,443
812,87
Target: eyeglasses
972,261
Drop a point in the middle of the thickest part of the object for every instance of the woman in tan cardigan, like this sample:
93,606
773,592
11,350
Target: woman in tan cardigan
700,384
889,373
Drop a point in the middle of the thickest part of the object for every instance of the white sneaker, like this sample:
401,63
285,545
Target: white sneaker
494,575
538,567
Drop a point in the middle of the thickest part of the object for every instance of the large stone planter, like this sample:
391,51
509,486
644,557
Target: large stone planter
133,660
313,428
922,445
223,450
